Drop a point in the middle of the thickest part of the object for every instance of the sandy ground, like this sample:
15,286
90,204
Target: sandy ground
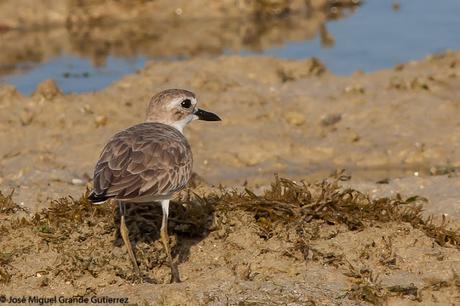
313,244
395,131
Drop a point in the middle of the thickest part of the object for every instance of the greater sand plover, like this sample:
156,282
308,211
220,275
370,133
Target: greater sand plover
149,162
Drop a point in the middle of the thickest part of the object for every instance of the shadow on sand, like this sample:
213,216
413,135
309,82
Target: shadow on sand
187,225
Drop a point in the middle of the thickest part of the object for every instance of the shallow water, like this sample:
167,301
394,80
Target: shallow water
76,74
377,36
373,37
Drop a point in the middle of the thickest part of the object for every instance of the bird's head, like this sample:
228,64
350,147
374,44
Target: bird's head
177,108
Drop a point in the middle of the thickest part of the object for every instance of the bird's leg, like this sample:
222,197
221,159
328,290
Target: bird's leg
175,278
125,235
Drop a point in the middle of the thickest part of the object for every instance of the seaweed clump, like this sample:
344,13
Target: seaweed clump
5,259
84,235
302,212
7,205
293,204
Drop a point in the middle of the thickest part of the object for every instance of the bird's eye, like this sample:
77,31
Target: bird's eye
186,103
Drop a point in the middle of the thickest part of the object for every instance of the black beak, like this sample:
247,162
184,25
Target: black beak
206,116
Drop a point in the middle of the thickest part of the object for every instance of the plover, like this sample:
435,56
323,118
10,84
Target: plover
149,162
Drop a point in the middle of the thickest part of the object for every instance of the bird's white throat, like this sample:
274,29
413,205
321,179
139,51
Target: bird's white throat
181,124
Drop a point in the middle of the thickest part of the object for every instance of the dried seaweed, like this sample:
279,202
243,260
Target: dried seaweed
5,259
410,289
82,233
7,205
287,203
5,277
367,287
295,204
70,211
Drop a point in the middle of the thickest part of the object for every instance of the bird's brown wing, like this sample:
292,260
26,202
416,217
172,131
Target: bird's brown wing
149,159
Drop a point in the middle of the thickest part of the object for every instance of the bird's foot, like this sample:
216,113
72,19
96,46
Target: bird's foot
175,277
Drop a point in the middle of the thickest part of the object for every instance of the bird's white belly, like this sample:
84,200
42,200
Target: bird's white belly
148,199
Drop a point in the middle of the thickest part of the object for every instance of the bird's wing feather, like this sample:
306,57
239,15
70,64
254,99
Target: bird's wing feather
148,159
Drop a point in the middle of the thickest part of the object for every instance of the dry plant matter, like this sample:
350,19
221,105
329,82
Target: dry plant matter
293,204
7,205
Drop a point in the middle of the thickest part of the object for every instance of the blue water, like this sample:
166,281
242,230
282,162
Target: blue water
75,74
372,38
377,37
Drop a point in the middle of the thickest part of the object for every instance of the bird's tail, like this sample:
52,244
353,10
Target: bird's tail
97,199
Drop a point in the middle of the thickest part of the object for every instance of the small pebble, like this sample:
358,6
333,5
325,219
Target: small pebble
354,137
86,109
294,118
330,119
26,118
77,181
47,89
399,67
354,89
101,121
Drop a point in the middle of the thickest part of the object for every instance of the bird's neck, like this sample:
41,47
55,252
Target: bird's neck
178,125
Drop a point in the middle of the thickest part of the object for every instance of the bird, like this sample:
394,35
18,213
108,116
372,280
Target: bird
150,162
